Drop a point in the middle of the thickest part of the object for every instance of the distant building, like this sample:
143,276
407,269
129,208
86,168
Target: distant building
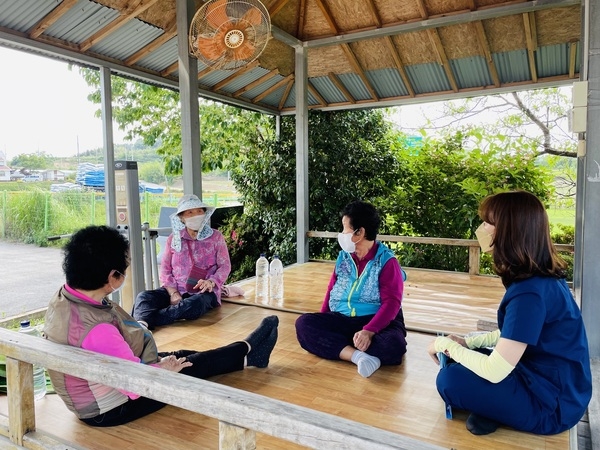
4,169
53,175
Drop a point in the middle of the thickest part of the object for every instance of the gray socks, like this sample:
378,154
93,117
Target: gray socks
367,364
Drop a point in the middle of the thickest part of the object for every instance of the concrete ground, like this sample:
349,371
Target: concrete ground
29,275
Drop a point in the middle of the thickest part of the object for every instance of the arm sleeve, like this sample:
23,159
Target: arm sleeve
105,338
223,261
325,305
493,368
166,266
391,288
482,340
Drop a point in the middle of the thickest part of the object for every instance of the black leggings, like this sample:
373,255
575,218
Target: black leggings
206,364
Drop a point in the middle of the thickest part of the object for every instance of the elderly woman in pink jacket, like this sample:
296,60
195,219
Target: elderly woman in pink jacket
193,269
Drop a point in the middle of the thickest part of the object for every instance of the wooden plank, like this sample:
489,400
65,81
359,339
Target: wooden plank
243,409
299,378
434,301
19,378
236,438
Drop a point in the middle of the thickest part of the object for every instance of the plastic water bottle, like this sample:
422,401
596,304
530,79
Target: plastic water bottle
276,278
39,375
262,278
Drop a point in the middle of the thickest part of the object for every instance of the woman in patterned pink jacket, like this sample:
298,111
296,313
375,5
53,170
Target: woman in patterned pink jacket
193,269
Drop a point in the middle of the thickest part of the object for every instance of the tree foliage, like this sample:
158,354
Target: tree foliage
349,157
32,161
534,121
154,114
443,183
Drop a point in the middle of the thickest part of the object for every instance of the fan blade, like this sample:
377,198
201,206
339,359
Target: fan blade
216,13
211,48
253,15
244,51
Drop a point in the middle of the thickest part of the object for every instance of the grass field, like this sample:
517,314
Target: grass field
562,216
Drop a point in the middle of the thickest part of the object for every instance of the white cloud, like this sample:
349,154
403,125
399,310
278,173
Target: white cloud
44,107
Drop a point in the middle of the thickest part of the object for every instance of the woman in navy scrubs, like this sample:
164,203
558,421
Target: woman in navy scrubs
537,377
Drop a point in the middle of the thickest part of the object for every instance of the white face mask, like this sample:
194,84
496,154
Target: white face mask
195,222
120,287
345,241
484,238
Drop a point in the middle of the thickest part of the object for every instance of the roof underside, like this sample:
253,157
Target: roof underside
360,54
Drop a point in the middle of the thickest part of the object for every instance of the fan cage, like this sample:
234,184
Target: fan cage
229,34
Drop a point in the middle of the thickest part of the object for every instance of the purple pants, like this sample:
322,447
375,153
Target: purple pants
326,334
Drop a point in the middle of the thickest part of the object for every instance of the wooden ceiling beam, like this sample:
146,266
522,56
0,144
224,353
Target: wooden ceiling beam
168,34
277,6
286,94
126,15
375,13
485,48
315,93
328,17
434,37
338,84
51,17
169,70
257,82
273,88
224,82
532,45
436,42
353,60
572,58
205,72
302,5
399,64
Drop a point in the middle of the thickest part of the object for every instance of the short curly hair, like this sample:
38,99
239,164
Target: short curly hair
91,254
363,215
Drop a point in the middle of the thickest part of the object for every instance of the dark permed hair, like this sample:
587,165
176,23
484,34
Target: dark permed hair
363,215
91,254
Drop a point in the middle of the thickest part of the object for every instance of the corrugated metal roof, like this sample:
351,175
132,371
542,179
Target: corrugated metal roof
81,22
387,83
355,86
162,57
22,15
426,78
250,94
512,66
471,72
244,80
127,40
553,60
328,90
71,26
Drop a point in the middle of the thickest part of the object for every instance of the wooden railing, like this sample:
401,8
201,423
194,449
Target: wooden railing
472,244
241,414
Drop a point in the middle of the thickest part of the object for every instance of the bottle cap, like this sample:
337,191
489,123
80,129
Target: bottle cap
25,323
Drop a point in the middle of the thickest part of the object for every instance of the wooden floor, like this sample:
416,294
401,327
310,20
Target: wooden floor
401,399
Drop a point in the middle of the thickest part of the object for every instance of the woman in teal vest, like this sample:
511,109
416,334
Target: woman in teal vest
361,317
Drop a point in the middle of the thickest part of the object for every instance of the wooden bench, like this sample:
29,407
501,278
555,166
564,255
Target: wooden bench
240,413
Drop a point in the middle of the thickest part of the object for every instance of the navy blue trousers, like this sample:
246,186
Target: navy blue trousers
326,334
508,402
154,307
